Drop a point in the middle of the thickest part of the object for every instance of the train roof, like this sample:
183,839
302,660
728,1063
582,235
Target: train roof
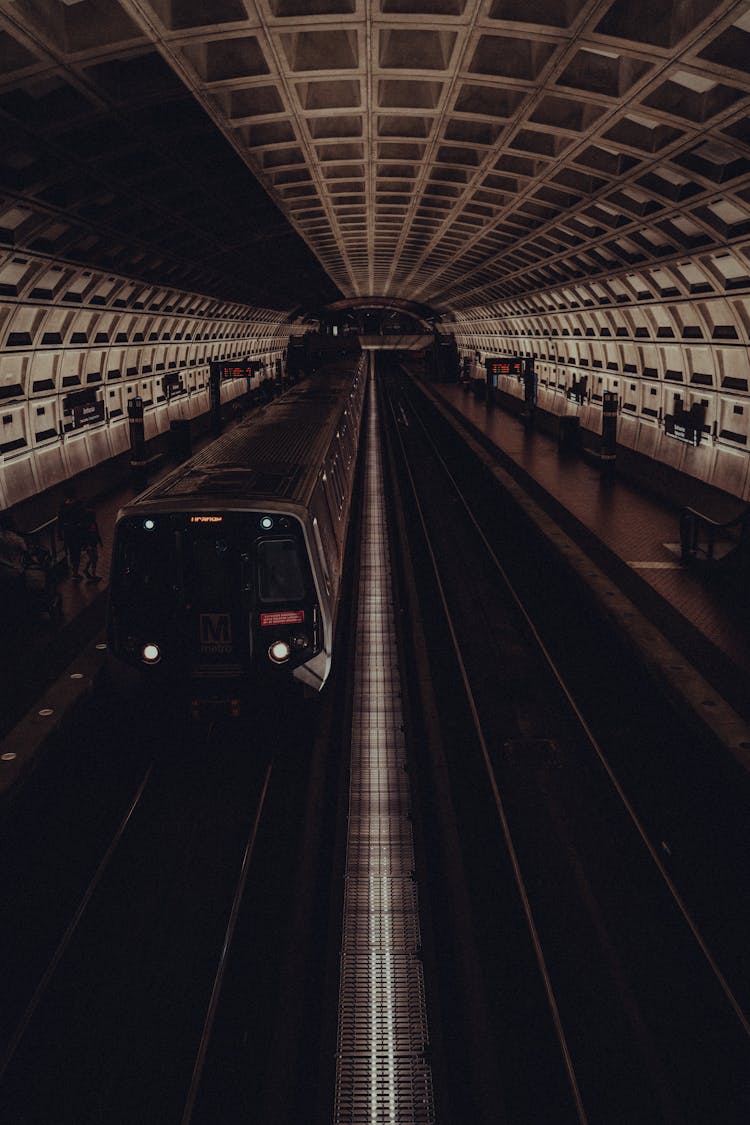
273,456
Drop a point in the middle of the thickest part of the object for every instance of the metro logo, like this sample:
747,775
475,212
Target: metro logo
215,632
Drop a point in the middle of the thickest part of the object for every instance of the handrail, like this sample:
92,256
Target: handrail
48,530
42,527
691,521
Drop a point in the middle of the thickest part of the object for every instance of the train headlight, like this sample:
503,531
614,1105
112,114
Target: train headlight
279,652
150,653
149,524
266,523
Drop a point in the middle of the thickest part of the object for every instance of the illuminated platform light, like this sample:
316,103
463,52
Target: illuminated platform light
76,675
101,646
46,712
9,756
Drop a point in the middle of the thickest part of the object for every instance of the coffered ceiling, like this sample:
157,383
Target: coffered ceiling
454,152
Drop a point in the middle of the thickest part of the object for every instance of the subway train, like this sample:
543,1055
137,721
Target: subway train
227,572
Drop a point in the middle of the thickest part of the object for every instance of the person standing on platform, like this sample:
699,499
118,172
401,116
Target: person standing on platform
91,541
13,550
70,525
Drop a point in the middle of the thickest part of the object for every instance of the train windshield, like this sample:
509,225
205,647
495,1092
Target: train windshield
165,559
144,570
280,575
210,566
196,577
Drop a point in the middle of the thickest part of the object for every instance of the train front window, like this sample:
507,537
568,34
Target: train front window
144,570
213,572
280,574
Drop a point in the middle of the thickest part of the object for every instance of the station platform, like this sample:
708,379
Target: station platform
36,648
632,534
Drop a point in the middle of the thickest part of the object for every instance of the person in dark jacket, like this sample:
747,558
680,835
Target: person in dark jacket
70,525
13,549
91,541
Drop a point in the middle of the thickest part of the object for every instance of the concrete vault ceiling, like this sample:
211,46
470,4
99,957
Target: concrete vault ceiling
458,153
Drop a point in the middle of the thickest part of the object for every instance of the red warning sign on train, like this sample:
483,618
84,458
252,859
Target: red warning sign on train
283,617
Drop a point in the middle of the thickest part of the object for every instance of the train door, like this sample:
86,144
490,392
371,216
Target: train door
218,592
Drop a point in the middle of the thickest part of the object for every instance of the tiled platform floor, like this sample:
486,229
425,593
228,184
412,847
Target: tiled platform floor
635,526
34,650
639,529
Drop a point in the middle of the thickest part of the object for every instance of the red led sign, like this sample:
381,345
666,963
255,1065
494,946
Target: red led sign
239,368
505,366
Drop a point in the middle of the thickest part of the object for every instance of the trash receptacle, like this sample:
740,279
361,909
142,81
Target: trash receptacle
567,433
180,439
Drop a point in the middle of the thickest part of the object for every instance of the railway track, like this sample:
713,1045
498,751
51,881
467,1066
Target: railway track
176,954
117,1020
612,984
172,897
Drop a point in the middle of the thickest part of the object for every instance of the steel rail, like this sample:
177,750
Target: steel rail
507,836
67,937
595,745
200,1059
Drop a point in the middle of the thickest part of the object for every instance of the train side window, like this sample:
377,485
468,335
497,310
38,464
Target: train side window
321,555
280,573
329,498
346,443
338,478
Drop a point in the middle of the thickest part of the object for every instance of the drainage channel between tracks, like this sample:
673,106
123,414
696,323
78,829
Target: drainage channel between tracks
382,1073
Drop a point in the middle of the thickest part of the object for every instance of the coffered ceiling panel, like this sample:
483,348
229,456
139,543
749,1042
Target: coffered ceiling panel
456,152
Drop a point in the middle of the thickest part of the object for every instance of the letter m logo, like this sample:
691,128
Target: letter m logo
216,629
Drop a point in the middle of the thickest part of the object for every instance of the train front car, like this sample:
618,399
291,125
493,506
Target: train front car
226,574
199,593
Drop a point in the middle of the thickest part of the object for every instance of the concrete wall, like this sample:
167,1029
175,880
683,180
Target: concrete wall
656,352
64,329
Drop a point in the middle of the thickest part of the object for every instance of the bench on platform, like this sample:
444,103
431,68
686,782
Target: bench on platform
714,540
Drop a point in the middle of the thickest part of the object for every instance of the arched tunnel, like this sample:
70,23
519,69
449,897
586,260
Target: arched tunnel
564,182
385,759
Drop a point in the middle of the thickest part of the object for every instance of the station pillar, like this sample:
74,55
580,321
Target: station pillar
529,389
609,432
489,389
214,396
137,441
